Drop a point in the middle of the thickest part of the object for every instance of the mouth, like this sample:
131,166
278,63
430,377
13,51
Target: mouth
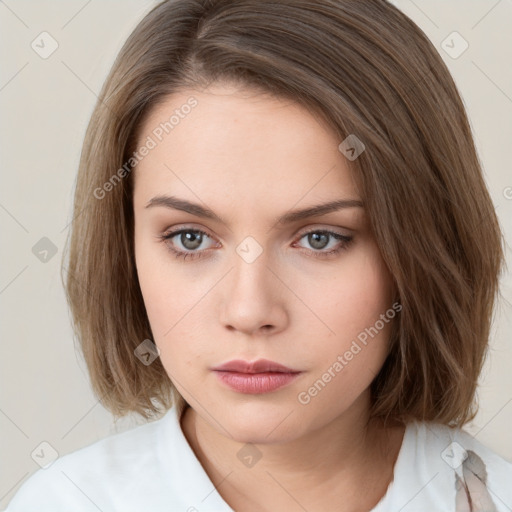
258,377
259,366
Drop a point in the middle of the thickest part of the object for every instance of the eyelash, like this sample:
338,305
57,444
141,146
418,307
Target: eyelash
345,242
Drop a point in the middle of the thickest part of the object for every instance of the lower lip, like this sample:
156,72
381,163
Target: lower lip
255,383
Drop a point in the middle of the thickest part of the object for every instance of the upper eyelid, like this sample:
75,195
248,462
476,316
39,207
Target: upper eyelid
172,232
302,232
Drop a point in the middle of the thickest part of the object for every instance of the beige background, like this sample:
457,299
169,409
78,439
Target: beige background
46,104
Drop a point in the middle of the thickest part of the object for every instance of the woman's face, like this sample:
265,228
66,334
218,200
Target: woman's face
310,292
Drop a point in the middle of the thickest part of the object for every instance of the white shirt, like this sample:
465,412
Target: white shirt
152,468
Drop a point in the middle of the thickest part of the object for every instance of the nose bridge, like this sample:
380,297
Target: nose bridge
252,299
250,273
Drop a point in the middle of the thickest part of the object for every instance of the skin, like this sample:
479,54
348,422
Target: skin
250,158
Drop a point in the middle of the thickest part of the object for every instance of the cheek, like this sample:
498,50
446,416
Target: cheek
174,303
160,295
347,359
356,315
354,297
165,294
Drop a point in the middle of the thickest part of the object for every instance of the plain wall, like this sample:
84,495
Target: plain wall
46,104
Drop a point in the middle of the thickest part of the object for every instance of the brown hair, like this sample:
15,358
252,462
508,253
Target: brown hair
366,69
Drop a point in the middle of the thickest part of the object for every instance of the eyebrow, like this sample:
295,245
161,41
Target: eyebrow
292,216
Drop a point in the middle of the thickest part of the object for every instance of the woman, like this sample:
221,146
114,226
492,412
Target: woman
283,242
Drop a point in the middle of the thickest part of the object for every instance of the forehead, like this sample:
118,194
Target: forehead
235,144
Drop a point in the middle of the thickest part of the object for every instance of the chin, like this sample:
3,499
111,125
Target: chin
261,423
255,435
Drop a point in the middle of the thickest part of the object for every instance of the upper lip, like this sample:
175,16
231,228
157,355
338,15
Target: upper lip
259,366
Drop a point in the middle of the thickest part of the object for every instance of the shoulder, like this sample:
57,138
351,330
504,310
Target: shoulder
87,478
454,444
443,469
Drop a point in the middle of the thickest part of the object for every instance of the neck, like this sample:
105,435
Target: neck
336,460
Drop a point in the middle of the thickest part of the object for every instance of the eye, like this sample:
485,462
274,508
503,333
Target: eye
190,239
192,242
320,239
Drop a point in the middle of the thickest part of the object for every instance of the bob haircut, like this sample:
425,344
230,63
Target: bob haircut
364,68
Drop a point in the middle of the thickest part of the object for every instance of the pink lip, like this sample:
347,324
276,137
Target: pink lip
261,376
259,366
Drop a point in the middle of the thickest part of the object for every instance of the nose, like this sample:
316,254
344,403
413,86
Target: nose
253,298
